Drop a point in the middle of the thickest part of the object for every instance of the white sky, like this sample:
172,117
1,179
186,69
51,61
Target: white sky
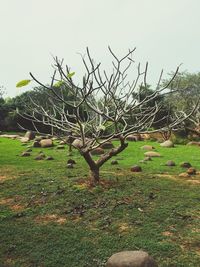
165,32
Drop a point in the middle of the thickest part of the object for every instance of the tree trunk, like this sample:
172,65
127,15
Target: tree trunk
94,175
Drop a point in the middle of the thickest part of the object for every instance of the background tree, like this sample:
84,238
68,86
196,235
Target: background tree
185,98
101,99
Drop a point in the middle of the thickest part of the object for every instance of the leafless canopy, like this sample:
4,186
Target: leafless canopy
100,102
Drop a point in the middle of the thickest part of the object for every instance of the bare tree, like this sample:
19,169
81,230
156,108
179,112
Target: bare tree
101,100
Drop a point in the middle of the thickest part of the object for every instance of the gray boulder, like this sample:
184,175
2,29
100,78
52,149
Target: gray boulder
185,165
131,259
107,145
97,151
167,143
152,154
36,144
147,147
136,168
170,163
46,143
30,135
25,154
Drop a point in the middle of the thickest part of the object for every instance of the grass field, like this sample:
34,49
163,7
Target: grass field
50,217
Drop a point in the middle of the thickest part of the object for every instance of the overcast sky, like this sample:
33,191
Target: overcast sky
165,32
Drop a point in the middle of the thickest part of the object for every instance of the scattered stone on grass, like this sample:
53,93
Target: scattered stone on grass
30,135
97,151
38,138
25,154
71,161
107,145
131,259
147,147
60,147
24,140
62,142
147,159
70,166
134,137
114,162
49,158
167,143
46,143
152,154
193,143
191,171
36,144
77,143
136,168
170,163
41,156
185,165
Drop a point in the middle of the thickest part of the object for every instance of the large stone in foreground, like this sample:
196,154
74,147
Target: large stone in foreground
167,143
152,154
46,143
131,259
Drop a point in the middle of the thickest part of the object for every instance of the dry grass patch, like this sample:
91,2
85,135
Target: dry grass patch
48,218
13,203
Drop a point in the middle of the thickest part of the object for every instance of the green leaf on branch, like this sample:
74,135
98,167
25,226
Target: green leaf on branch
58,84
69,75
23,83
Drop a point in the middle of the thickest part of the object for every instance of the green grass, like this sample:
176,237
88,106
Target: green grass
49,217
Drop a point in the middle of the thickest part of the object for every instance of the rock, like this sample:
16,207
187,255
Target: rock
24,140
71,161
70,166
147,147
60,147
136,168
25,154
77,143
147,159
107,145
167,143
62,142
114,162
131,259
54,138
12,136
134,137
185,165
97,151
38,138
170,163
46,143
191,171
193,143
40,157
152,154
36,144
49,158
30,135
